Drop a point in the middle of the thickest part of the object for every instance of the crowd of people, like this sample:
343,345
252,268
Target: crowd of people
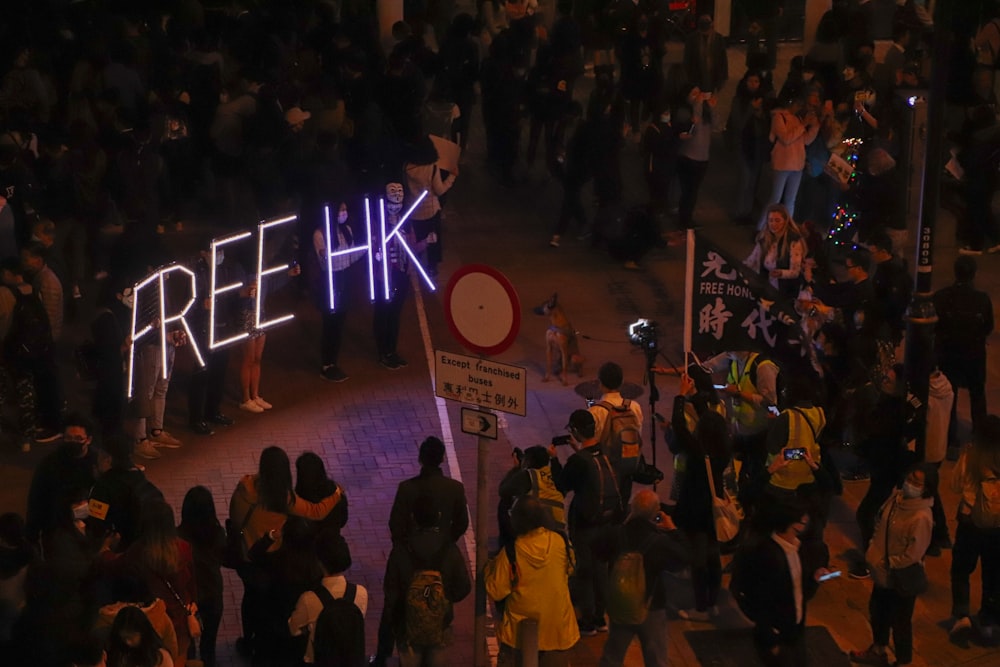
122,124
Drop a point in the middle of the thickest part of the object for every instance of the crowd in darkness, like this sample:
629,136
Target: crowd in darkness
126,125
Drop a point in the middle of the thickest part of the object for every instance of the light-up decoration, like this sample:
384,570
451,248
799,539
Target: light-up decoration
214,291
331,253
402,243
263,273
160,277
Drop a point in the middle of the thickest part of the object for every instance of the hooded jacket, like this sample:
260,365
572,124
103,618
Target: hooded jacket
908,522
544,562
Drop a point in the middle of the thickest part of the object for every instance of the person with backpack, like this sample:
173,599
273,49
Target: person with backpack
596,505
424,578
334,613
532,578
640,551
27,357
618,425
534,473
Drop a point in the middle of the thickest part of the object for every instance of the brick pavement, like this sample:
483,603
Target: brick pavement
367,428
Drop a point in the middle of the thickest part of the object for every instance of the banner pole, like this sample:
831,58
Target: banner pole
688,296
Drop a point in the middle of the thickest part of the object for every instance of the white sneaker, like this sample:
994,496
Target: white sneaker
251,406
262,403
146,450
164,439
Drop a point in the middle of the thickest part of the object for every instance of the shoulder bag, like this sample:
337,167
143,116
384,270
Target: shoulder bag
725,514
909,581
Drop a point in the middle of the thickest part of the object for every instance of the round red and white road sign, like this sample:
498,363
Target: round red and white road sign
482,309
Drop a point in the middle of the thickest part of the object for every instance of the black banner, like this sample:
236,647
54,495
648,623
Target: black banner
732,308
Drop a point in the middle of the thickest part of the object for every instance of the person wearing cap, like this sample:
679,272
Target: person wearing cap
596,505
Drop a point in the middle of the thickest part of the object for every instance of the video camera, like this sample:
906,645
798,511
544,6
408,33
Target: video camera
643,333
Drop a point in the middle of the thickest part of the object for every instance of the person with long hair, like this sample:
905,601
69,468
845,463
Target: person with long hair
710,442
134,642
423,174
260,506
201,528
164,563
778,251
692,162
902,535
313,484
790,134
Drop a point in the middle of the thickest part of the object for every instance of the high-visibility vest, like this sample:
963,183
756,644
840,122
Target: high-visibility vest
804,425
745,413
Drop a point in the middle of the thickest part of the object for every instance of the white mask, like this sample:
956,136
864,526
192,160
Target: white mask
342,217
220,257
665,118
911,491
128,297
81,512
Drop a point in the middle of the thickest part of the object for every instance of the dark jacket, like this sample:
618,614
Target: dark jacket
449,499
426,550
661,552
577,477
207,547
125,491
60,475
769,589
694,502
965,319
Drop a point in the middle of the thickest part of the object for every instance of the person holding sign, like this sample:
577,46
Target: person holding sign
333,318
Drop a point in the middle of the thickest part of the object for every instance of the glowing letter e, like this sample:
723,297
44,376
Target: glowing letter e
165,320
262,272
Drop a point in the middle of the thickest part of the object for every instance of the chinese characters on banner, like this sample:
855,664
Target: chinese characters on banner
725,312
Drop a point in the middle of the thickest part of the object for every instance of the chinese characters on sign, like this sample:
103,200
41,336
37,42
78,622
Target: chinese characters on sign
727,315
489,384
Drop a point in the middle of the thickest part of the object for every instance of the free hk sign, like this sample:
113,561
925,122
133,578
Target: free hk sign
380,233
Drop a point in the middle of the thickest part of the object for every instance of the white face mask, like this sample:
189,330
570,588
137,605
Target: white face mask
128,297
342,217
665,118
220,257
911,491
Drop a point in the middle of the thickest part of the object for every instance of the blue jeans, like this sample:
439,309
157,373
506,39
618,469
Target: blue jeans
785,191
652,634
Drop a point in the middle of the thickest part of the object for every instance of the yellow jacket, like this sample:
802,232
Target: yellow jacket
544,563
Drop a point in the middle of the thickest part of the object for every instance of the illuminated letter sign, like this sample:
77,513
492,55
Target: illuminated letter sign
402,243
213,290
165,321
262,272
331,253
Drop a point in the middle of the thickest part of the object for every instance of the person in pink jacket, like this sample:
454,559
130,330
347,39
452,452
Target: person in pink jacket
790,136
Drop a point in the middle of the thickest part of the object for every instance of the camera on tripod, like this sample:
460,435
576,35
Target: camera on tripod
643,333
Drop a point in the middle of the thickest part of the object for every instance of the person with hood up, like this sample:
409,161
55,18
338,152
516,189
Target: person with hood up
427,549
532,577
896,557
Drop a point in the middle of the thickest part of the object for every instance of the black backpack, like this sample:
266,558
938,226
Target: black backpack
30,336
339,638
601,503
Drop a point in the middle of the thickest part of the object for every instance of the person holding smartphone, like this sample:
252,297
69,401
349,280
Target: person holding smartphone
794,458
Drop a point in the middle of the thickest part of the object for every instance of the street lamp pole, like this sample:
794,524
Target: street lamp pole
921,317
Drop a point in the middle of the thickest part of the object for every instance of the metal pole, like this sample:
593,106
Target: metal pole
921,318
529,642
482,539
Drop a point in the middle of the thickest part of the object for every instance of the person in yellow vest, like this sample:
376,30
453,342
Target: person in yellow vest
751,382
533,475
794,468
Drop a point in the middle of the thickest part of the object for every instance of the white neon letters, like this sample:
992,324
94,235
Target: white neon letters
331,253
214,290
160,277
263,273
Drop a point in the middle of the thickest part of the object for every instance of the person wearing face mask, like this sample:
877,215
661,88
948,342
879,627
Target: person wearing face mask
388,311
746,133
896,555
774,577
660,143
69,470
331,292
207,384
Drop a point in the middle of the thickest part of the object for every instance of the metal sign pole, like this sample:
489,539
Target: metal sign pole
482,531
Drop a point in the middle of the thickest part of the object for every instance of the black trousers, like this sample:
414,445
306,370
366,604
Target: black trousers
387,314
331,335
893,613
784,650
208,385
